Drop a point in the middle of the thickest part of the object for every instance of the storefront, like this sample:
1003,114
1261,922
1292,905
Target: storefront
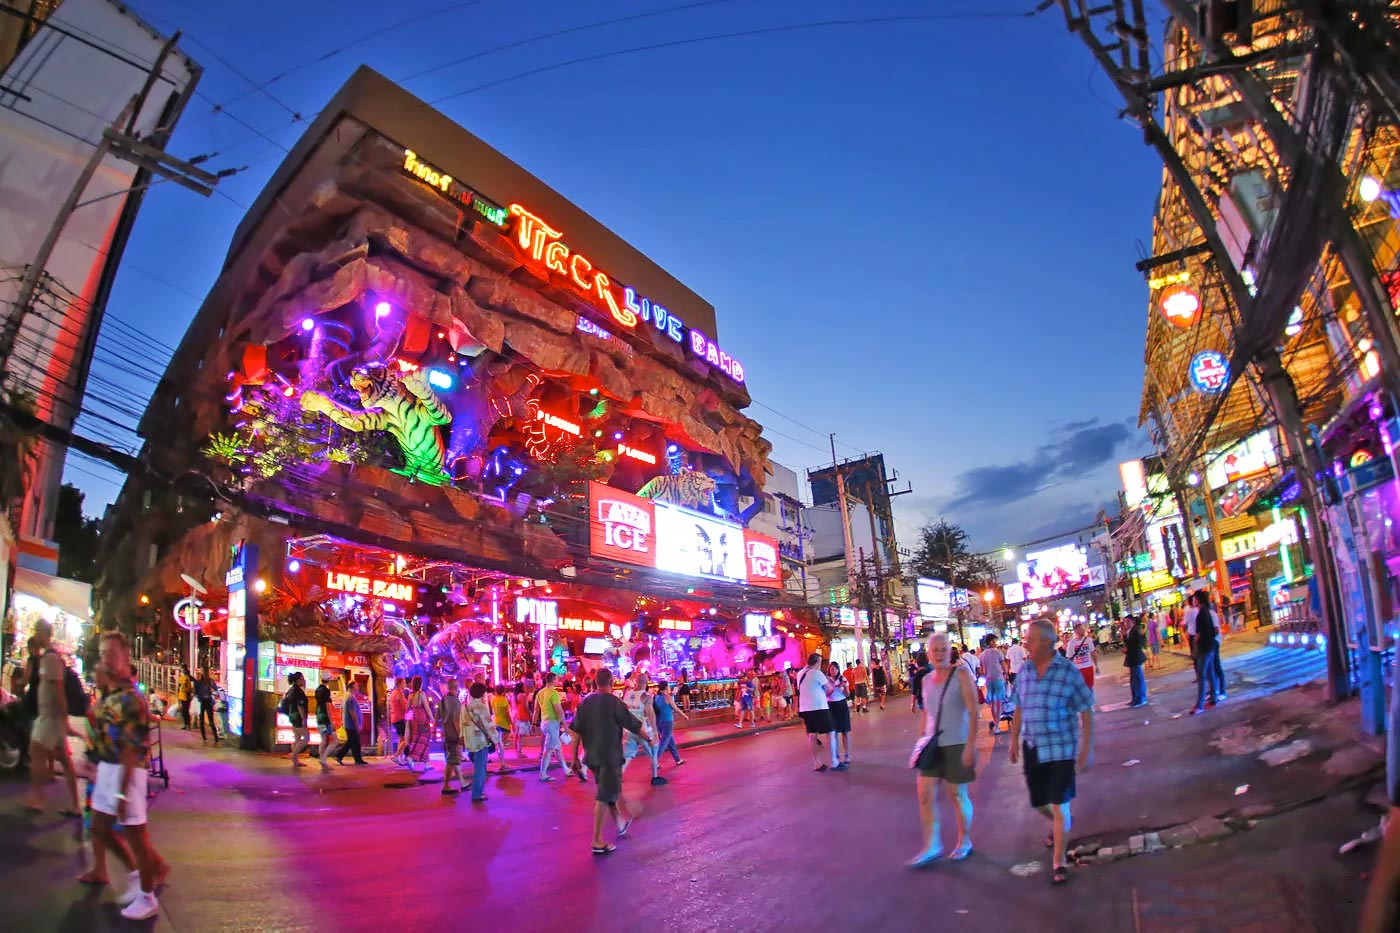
476,426
65,604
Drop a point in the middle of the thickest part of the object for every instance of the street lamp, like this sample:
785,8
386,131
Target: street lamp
1008,555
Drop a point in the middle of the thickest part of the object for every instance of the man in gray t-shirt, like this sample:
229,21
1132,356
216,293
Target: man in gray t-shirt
599,724
993,668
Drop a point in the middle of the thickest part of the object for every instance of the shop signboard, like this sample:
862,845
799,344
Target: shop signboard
240,676
1013,593
632,530
934,598
1056,571
675,625
1147,582
758,625
400,592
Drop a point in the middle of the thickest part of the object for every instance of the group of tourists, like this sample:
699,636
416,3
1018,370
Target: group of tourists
206,691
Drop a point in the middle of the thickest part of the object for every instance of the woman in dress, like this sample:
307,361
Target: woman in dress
836,701
950,725
420,730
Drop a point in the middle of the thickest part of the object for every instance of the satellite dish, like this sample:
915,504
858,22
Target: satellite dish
194,584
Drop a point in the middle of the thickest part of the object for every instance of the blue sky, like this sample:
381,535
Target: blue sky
919,235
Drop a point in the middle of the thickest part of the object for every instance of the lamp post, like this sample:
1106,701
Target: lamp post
989,597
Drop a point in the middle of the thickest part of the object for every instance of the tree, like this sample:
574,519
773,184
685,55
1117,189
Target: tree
77,537
943,554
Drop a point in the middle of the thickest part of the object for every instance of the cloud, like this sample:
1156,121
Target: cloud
1078,448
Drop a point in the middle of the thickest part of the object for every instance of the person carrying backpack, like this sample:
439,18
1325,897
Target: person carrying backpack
294,706
48,740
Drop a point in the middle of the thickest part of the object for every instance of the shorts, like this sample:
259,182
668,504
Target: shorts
950,767
881,690
549,728
840,716
522,727
300,736
818,721
1156,647
452,751
49,733
1088,674
108,786
633,745
996,691
862,692
401,727
609,781
746,703
1049,782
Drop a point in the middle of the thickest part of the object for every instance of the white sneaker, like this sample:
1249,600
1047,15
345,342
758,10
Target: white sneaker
133,889
143,908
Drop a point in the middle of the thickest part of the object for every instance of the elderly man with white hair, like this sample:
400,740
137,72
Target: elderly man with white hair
1053,728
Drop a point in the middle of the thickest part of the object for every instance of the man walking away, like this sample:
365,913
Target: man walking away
1015,657
993,667
599,724
350,722
1134,657
918,669
449,713
813,689
1054,718
398,718
1207,645
549,707
119,793
860,686
881,682
666,711
1084,653
1154,640
294,707
204,693
324,727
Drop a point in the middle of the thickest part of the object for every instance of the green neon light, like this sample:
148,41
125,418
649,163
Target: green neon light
1283,552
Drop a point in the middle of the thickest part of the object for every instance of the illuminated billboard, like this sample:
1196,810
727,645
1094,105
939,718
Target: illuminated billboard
1057,571
632,530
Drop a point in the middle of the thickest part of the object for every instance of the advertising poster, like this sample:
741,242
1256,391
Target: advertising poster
699,546
1055,571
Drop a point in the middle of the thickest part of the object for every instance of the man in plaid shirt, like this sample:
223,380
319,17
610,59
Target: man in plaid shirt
1053,726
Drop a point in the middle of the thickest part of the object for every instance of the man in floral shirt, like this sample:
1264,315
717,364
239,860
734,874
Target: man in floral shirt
123,722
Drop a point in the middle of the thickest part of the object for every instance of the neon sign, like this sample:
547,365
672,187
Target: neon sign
377,587
1209,371
636,454
555,421
568,624
544,245
1180,306
444,183
675,625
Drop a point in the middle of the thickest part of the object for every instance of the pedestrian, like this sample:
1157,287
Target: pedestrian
184,693
502,717
1188,623
837,701
1053,729
1134,657
813,689
119,792
398,719
420,725
599,724
476,729
880,681
789,693
48,736
947,751
1379,913
325,729
1207,647
1015,658
665,711
96,875
350,722
918,671
638,703
204,692
744,703
449,713
294,707
1219,645
993,668
859,676
1154,641
549,708
1083,653
683,691
521,714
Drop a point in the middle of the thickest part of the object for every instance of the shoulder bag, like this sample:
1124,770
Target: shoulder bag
926,753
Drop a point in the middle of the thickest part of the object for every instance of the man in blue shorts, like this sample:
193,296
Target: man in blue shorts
992,666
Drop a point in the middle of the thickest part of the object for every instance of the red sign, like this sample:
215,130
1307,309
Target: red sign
567,624
761,560
394,590
621,526
675,625
335,660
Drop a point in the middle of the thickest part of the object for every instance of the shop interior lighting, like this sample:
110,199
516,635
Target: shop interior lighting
1193,478
1369,189
307,324
1295,322
259,585
382,309
144,600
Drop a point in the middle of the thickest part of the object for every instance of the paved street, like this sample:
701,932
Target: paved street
745,837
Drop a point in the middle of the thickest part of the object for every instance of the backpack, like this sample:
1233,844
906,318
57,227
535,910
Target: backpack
75,693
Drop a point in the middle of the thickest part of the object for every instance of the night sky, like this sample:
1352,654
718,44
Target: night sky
917,234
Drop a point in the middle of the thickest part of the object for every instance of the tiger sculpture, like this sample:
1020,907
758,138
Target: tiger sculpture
689,488
405,406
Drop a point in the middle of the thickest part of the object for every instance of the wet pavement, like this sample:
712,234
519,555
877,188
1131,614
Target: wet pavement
745,837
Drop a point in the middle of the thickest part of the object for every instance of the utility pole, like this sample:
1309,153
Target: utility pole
846,533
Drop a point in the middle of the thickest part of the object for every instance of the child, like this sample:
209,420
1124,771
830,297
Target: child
745,703
765,702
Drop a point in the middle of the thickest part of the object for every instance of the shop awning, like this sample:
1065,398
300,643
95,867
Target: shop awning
70,596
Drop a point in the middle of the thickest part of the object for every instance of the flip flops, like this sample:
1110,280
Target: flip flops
622,830
1059,875
604,850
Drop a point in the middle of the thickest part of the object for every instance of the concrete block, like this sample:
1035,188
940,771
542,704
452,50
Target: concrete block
1136,845
1179,835
1153,841
1209,829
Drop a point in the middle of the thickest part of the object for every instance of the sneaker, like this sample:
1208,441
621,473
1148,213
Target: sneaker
133,889
143,908
658,781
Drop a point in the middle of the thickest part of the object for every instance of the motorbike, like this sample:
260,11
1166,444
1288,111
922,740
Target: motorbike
14,736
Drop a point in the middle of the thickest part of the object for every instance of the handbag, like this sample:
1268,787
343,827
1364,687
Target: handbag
926,753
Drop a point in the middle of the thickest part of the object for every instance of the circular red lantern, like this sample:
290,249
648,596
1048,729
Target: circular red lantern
1180,306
